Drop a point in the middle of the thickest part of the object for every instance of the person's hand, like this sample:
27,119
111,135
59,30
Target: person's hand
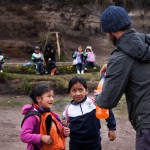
46,139
112,135
96,92
64,123
66,131
44,63
103,69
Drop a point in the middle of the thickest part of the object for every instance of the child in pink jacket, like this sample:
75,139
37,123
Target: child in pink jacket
42,97
90,60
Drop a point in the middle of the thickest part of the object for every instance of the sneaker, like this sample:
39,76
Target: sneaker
85,68
78,72
82,72
94,68
46,72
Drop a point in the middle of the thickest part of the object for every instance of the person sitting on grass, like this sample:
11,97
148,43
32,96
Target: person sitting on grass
80,57
90,60
37,60
49,57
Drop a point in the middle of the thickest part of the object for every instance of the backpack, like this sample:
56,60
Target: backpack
49,125
38,116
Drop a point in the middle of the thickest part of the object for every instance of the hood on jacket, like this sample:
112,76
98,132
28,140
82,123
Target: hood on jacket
27,108
89,47
135,44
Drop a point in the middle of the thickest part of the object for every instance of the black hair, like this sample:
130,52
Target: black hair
75,80
38,90
48,46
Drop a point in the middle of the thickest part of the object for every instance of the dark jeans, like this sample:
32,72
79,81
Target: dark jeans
1,66
87,64
80,66
50,65
39,66
85,146
143,139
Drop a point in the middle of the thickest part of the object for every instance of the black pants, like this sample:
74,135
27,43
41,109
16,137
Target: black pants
85,146
1,66
87,64
50,65
143,139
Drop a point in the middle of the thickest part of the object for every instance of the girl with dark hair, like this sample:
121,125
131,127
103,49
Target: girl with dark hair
49,57
83,124
79,58
42,128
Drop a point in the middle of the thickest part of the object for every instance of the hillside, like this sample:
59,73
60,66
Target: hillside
26,24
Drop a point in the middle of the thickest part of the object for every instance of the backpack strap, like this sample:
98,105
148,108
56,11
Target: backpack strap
93,100
66,113
37,115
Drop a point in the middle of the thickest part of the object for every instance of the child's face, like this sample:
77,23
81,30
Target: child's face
37,51
79,49
88,50
78,92
46,100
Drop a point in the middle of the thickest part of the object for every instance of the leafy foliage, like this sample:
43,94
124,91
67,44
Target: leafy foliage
67,69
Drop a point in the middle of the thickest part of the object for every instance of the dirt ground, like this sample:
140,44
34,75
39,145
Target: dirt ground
11,118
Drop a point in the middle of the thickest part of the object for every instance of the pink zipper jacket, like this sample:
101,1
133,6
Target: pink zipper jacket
90,57
30,132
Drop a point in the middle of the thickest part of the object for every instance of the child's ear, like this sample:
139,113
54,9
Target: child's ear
38,99
70,95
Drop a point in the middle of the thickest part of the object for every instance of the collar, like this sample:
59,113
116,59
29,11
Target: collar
73,102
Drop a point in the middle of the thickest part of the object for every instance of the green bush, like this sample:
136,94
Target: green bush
4,77
20,69
67,69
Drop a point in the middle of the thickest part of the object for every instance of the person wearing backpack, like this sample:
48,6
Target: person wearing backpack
82,121
42,128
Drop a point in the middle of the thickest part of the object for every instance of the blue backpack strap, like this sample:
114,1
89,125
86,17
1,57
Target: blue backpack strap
31,114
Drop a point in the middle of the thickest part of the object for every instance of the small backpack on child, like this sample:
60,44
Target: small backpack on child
49,125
